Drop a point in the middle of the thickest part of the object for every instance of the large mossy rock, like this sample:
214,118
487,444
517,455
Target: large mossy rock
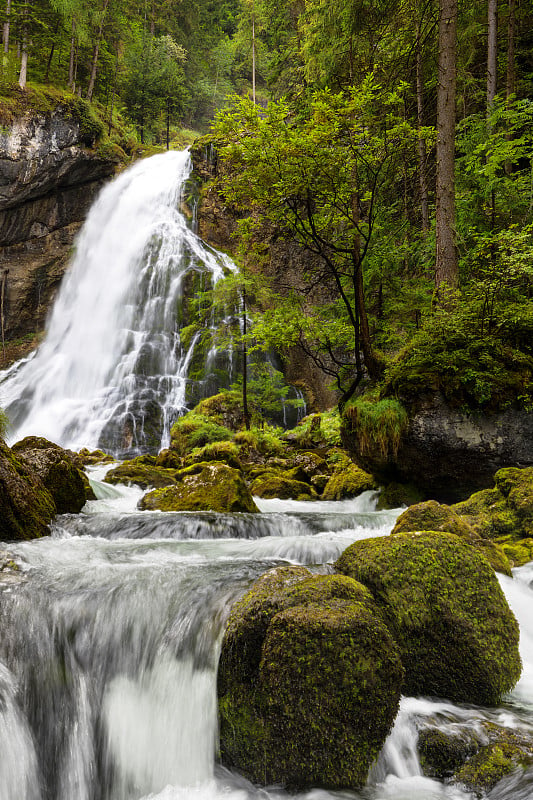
433,516
26,505
444,607
504,514
142,474
208,486
270,485
308,683
59,469
348,482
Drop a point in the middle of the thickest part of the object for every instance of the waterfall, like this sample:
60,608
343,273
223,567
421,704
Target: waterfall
112,370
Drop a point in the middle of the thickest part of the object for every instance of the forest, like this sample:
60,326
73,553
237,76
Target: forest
391,140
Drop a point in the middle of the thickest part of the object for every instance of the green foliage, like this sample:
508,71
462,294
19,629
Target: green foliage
378,424
196,430
265,440
319,429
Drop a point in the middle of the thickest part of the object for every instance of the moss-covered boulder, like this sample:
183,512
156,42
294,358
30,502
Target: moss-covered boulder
444,607
308,683
504,514
433,516
348,482
208,486
274,484
228,452
60,471
168,459
90,457
443,752
507,751
137,471
26,505
396,495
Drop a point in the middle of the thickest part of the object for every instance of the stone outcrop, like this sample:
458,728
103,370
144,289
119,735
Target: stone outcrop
50,174
448,453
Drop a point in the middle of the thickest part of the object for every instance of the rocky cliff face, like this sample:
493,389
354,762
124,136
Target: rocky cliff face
49,176
448,453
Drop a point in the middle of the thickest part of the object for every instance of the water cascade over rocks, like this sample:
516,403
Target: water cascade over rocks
113,369
110,636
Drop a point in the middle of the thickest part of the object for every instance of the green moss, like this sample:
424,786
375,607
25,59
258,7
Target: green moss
491,764
94,457
489,514
196,430
263,441
378,426
308,681
442,753
348,482
446,610
518,553
228,452
26,505
275,484
208,486
136,471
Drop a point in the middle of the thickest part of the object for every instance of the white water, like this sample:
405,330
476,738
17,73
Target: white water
112,368
110,646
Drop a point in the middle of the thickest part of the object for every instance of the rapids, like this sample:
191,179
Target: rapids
110,640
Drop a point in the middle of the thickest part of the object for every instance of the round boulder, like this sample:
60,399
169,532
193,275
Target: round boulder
444,607
60,470
309,681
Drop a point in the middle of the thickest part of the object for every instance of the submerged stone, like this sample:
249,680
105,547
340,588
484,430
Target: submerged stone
445,609
309,681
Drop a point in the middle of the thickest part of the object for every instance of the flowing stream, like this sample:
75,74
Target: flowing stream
110,639
111,628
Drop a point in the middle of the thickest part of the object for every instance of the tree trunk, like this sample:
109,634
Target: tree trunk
511,40
113,90
71,76
245,409
422,174
24,51
446,267
92,79
5,32
253,57
492,52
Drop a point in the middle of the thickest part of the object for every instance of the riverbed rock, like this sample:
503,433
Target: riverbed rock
208,486
348,482
308,683
26,505
274,484
445,609
59,469
433,516
141,474
476,757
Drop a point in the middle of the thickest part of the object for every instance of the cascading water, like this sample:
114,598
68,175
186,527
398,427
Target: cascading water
110,639
112,371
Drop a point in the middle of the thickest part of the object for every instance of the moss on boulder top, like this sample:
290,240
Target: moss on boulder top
433,516
60,471
444,607
275,484
349,481
309,681
26,505
208,486
137,471
504,514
